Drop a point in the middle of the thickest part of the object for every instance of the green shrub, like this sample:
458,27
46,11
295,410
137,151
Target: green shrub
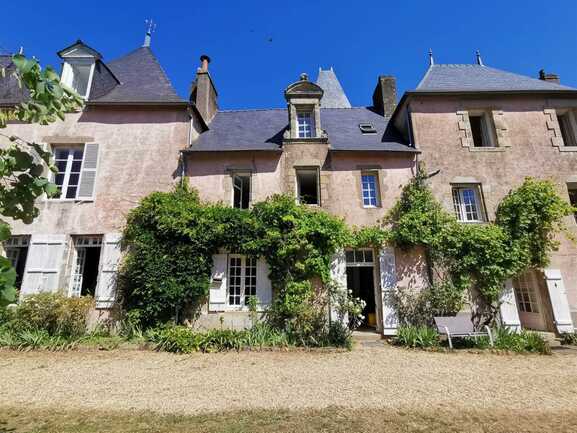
54,313
506,339
34,339
569,338
416,337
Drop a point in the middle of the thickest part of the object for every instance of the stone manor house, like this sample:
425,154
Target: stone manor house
482,130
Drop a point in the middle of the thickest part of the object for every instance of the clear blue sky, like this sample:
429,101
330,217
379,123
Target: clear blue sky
259,47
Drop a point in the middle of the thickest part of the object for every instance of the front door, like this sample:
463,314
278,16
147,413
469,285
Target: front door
529,301
361,282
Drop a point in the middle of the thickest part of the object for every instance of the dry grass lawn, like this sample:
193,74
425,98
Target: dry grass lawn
367,390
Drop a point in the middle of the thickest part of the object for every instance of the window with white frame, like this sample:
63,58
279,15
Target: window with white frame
241,279
359,257
526,293
85,266
467,203
567,127
77,74
482,129
68,161
241,190
16,249
308,186
370,188
305,124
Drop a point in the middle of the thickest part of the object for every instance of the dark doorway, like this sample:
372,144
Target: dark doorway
360,281
90,272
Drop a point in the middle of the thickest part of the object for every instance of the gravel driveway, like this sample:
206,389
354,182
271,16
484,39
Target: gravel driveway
375,377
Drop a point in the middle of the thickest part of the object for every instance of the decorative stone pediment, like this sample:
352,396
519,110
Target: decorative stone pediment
303,89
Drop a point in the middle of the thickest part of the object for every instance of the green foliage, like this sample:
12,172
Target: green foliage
416,337
34,339
569,338
368,236
480,256
53,313
22,163
505,339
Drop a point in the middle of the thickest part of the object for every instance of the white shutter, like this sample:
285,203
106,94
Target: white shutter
43,264
508,308
339,275
388,286
88,177
559,303
263,283
218,283
109,260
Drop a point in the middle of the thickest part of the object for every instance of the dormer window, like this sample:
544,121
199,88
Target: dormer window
367,128
305,122
78,68
77,75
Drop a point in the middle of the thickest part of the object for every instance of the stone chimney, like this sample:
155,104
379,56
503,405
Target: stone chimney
553,78
203,93
385,95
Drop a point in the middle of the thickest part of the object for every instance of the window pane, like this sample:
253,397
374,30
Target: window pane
304,124
73,180
369,256
80,76
59,179
78,154
76,166
71,192
476,130
369,187
61,165
307,182
60,153
350,256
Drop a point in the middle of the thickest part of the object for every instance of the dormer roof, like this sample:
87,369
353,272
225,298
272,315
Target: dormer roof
79,50
303,89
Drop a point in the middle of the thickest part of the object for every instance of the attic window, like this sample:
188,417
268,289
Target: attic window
77,74
367,128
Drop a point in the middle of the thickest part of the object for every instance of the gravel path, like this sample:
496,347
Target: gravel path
375,377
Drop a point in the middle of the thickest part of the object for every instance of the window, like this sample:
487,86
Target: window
17,252
525,294
573,197
68,161
305,124
361,257
567,128
241,190
481,130
85,265
77,76
467,203
370,189
308,186
367,128
242,279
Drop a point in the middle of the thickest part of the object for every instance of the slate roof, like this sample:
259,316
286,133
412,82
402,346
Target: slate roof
264,129
479,78
10,91
334,95
141,79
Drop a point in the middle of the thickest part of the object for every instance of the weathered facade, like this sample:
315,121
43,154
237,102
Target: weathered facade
485,131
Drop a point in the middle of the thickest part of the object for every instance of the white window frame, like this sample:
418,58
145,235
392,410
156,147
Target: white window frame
359,257
377,190
488,132
526,293
234,187
68,170
242,296
298,185
79,261
68,73
459,195
308,129
571,124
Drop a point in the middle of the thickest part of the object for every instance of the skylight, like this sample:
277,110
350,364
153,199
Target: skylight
367,128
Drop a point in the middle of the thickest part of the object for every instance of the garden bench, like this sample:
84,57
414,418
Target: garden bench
460,326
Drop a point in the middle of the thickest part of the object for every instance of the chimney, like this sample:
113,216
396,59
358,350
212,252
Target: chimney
203,94
385,95
552,78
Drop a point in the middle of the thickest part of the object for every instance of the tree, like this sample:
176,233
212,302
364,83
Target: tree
22,163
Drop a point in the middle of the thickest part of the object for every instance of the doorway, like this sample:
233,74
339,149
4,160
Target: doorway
529,302
361,283
87,250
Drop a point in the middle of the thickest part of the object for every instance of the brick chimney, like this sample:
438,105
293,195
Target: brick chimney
385,95
553,78
203,93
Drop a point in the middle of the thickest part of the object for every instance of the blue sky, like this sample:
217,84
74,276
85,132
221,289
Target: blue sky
259,47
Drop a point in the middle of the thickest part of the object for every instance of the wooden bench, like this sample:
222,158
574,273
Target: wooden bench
460,326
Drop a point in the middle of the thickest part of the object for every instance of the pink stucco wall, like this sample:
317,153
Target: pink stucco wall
139,151
531,153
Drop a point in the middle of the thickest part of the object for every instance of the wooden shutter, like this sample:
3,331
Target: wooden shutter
339,275
559,303
388,285
263,283
43,264
88,177
218,283
109,260
508,308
